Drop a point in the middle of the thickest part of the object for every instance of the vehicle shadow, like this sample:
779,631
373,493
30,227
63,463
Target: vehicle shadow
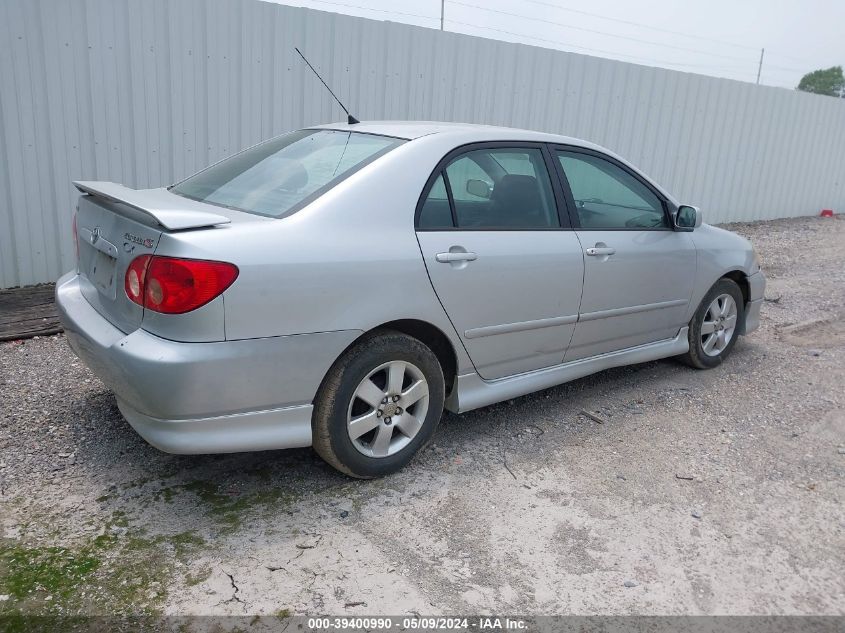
125,473
612,394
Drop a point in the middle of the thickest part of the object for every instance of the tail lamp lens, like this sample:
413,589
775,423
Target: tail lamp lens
134,280
172,285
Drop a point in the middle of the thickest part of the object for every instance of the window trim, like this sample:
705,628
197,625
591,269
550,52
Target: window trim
560,202
449,197
570,199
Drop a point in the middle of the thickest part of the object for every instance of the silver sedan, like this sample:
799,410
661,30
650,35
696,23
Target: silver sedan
338,286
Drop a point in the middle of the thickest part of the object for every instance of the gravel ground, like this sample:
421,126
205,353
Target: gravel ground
717,492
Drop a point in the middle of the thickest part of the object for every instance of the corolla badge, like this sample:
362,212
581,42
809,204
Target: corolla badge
143,241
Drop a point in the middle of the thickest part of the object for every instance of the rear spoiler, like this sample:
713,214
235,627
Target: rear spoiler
169,210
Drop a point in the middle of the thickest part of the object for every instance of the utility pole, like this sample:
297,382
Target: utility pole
759,68
442,9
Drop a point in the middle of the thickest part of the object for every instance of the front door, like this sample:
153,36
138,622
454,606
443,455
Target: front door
507,273
638,271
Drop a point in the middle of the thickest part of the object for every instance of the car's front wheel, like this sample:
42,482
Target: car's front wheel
714,327
378,405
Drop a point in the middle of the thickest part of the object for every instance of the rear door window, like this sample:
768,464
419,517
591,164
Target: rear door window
502,188
282,175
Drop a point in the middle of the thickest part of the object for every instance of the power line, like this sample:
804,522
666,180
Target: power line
739,69
598,50
670,31
795,59
357,6
605,33
644,26
768,67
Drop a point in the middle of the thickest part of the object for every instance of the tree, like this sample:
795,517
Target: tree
828,82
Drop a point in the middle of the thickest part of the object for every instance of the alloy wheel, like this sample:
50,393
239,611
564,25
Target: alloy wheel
388,409
719,325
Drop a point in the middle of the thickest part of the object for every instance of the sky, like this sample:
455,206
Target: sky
722,38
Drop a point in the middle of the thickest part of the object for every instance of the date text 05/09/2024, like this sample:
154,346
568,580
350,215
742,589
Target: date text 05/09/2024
479,623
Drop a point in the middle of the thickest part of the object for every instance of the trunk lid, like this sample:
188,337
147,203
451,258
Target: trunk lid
114,225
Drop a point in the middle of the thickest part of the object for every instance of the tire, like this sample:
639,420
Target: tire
388,433
715,314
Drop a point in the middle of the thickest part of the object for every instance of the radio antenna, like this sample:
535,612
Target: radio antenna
349,118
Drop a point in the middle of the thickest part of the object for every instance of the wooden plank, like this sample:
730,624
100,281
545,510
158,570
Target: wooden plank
27,312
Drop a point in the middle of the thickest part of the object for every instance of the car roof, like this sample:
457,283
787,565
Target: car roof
472,133
416,129
475,133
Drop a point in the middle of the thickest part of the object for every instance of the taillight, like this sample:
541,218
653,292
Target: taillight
133,282
172,285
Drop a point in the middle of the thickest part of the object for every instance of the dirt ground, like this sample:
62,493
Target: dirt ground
716,492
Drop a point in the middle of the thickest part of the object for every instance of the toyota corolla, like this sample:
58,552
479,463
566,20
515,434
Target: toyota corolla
338,286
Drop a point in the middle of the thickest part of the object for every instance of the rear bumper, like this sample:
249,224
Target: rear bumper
757,288
226,396
288,427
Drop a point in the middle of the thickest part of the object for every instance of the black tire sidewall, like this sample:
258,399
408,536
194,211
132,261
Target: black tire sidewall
364,359
697,353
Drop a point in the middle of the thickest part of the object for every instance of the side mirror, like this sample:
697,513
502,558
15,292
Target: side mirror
687,218
479,188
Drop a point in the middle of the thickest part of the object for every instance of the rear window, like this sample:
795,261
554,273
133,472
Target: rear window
280,176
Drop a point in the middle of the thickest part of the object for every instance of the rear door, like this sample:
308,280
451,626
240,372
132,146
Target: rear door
504,265
638,271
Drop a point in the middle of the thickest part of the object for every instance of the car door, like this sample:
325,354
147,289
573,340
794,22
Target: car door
506,269
638,271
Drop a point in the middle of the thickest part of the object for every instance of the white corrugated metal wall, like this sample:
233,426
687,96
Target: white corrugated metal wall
144,92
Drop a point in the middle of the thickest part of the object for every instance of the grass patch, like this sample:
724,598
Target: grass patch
203,574
184,542
55,571
118,519
122,571
167,494
230,510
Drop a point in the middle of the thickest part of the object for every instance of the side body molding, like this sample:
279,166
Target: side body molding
472,391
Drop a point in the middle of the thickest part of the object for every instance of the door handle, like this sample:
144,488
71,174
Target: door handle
600,251
447,258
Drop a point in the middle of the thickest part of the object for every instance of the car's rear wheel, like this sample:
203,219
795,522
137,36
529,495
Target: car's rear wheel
378,405
714,327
